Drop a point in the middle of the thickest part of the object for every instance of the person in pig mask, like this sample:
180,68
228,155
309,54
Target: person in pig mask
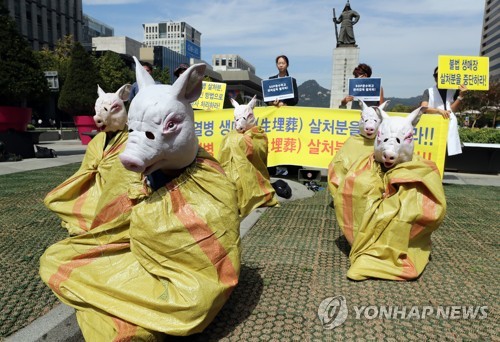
243,155
389,204
172,268
356,146
101,181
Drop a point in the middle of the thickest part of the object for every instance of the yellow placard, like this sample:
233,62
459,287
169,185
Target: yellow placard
471,71
310,137
212,96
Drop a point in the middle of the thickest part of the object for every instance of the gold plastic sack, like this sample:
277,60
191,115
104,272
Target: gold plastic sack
170,270
388,217
244,158
99,183
355,147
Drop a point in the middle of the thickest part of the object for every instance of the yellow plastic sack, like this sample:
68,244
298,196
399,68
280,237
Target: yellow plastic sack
170,270
99,183
388,217
244,158
355,147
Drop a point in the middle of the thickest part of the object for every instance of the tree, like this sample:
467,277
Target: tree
21,77
59,59
113,72
401,108
479,104
162,76
79,92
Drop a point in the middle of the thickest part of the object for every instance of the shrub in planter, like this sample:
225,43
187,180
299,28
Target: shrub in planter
480,135
79,92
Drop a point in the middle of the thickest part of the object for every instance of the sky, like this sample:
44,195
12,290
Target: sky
400,39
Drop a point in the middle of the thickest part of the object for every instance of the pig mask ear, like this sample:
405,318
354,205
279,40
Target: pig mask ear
362,104
189,85
124,92
100,92
142,76
253,102
384,105
234,103
414,117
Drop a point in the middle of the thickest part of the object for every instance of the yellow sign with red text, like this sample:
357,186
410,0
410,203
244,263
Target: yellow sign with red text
212,96
310,137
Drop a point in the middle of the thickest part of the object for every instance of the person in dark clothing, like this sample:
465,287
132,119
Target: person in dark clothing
282,65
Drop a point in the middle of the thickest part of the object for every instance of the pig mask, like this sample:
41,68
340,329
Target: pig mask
243,115
110,112
161,123
370,119
394,142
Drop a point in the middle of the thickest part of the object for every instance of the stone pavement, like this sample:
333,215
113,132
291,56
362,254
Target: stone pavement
60,323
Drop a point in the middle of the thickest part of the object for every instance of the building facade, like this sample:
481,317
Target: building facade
94,28
230,61
490,38
177,36
122,45
44,22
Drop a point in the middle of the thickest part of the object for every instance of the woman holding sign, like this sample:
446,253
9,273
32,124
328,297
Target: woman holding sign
445,102
362,71
282,65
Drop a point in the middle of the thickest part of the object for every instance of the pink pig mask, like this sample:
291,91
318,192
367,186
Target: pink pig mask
161,123
370,119
110,111
394,142
243,115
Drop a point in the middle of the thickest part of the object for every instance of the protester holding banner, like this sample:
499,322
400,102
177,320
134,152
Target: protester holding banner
362,71
445,102
282,65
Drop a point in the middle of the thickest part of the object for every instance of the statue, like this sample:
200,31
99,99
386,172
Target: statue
348,18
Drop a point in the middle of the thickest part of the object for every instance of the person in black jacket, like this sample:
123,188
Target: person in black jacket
282,65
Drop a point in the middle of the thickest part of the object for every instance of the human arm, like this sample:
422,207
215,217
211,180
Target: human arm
457,102
430,110
381,95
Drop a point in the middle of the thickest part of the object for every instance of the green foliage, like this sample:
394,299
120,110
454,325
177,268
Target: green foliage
162,76
113,72
478,104
401,108
480,135
57,60
21,77
79,92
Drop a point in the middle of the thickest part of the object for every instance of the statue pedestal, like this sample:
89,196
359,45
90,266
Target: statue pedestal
345,59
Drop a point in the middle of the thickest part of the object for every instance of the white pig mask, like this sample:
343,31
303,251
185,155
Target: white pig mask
394,142
243,115
161,123
370,119
110,111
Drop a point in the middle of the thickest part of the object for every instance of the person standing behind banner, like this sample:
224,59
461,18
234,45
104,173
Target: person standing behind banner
135,87
362,71
282,65
445,102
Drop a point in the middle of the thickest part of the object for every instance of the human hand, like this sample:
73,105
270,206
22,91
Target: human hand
463,89
276,103
444,113
347,99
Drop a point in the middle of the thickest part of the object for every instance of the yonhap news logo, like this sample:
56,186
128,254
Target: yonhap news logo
333,312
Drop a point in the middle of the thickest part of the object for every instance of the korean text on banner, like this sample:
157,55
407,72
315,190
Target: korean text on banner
366,89
471,71
212,96
280,88
310,137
